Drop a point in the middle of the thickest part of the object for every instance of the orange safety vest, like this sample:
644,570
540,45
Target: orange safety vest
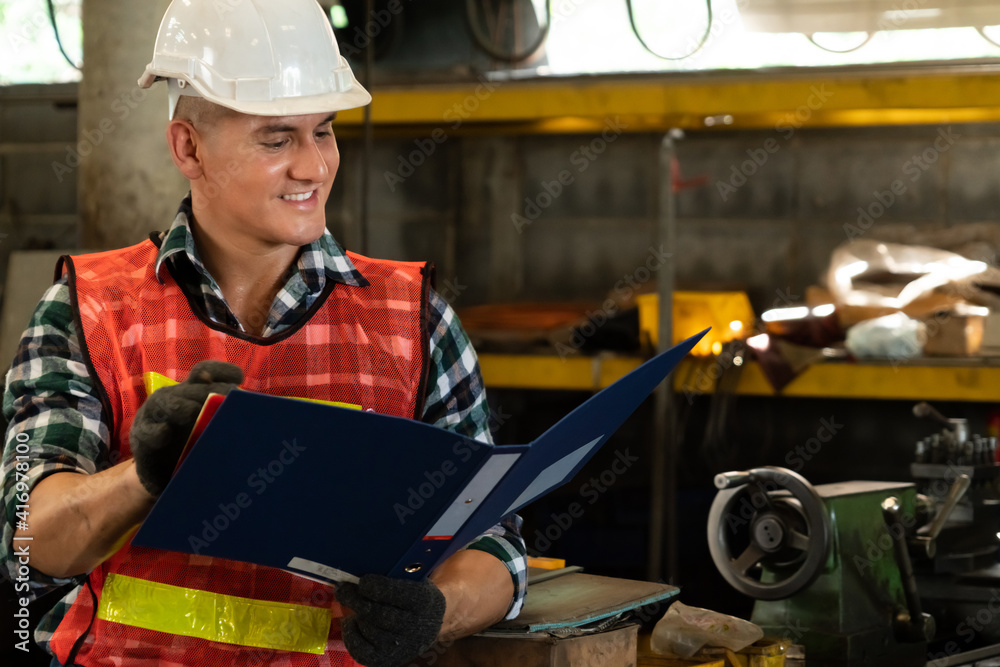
361,345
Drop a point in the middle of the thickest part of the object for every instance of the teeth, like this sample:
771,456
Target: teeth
302,197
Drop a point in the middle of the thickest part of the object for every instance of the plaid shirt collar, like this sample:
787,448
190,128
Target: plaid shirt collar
319,260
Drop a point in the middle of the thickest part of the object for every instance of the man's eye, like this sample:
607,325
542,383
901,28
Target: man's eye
275,144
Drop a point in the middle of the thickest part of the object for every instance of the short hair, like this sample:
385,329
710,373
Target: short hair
200,112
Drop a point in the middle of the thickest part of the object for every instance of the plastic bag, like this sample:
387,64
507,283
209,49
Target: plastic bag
891,275
684,630
893,336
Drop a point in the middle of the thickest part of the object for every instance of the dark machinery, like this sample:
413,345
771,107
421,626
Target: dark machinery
959,582
830,566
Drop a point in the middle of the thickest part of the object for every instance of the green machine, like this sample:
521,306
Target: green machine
828,566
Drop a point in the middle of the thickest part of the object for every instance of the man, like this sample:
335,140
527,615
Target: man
248,279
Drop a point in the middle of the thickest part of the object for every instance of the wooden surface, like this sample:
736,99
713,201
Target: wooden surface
614,648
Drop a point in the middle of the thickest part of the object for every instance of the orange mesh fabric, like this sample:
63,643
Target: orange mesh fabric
360,345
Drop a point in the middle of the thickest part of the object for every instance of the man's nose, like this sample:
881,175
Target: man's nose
310,163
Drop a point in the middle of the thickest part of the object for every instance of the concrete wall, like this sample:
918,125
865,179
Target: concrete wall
126,183
38,187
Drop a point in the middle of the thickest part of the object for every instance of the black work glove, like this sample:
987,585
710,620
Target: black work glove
163,423
394,620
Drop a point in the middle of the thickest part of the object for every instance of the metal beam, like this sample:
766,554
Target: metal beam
963,380
757,99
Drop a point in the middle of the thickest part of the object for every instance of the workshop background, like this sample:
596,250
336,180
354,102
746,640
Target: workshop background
592,170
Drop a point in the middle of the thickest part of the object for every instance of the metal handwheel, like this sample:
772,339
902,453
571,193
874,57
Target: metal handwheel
772,516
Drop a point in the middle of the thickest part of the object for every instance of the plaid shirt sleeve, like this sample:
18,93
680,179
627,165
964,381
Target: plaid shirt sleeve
55,422
456,400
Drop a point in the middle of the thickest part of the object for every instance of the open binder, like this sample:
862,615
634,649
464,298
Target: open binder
334,493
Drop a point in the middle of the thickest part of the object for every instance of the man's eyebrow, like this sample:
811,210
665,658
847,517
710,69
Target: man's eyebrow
274,129
277,128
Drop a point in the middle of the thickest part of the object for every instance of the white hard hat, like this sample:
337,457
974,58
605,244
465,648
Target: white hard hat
261,57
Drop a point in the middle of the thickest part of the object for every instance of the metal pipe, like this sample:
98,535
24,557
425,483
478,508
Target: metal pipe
958,489
369,138
890,513
663,488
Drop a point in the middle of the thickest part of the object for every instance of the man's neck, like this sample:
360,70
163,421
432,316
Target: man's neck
249,278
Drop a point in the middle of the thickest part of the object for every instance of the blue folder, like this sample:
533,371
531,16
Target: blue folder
333,493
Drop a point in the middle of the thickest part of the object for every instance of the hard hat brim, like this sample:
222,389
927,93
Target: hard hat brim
330,102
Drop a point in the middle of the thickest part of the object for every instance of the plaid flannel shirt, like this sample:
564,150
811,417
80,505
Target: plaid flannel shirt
50,396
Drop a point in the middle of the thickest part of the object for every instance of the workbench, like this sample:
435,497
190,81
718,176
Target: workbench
569,619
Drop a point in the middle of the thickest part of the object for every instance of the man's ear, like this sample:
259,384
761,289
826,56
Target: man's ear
185,142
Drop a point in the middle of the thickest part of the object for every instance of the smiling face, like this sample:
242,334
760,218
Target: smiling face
261,182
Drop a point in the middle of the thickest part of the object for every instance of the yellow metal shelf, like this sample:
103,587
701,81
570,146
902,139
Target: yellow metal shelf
980,383
782,101
524,371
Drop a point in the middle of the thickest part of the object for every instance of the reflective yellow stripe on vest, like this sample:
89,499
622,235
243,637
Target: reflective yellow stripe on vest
154,381
219,618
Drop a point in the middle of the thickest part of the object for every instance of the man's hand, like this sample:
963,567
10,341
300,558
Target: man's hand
394,620
163,423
